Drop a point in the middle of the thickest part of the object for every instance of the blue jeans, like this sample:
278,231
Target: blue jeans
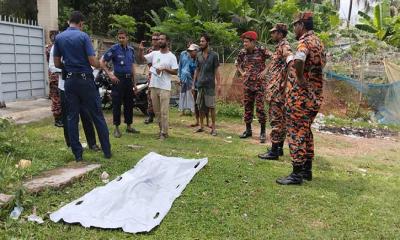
81,93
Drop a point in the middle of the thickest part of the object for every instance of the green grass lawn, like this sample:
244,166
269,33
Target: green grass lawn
234,197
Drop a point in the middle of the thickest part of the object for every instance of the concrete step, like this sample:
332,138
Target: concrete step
59,177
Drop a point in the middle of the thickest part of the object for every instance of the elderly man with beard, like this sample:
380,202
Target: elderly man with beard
187,66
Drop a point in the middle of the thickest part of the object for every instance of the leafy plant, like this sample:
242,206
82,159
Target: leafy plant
125,22
8,137
379,24
234,110
183,27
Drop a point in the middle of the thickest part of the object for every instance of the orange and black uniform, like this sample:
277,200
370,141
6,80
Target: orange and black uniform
304,102
275,90
253,63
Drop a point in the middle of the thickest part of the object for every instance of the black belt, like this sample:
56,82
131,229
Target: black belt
125,75
83,75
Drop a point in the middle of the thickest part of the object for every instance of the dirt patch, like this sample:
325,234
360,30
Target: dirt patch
339,145
332,144
317,224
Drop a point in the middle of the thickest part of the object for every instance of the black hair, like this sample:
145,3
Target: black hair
166,36
284,33
122,31
309,24
206,37
76,17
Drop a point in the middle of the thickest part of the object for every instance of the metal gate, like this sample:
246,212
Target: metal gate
22,61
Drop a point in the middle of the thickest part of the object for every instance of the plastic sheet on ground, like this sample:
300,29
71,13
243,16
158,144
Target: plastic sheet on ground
136,201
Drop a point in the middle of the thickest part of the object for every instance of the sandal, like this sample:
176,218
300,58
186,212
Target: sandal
214,133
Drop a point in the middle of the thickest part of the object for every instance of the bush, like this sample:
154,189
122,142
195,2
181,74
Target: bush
234,110
8,137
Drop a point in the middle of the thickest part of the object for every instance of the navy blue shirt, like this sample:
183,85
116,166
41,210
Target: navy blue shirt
74,46
122,58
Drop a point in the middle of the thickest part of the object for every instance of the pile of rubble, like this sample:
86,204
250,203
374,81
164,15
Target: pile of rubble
320,125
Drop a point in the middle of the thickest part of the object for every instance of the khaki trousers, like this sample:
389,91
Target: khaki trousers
160,99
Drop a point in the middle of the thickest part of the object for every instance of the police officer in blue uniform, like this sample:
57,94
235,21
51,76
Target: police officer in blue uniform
76,50
123,57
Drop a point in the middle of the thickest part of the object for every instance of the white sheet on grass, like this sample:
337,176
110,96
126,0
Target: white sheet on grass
136,201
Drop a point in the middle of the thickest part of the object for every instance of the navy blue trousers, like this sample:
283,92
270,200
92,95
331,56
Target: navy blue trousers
81,93
122,94
87,122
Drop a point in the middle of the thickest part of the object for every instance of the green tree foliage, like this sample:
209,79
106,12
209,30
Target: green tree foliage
381,24
326,18
183,27
26,9
125,22
186,19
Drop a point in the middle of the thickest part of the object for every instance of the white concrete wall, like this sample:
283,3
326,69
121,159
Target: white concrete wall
48,15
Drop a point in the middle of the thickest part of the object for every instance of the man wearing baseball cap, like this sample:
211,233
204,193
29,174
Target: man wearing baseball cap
187,67
250,63
304,97
275,91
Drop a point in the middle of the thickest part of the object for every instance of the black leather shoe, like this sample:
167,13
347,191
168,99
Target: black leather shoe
272,154
295,178
117,133
281,148
132,130
95,148
149,119
263,138
108,155
79,159
246,134
306,173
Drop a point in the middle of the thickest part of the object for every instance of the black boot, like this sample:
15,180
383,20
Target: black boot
263,137
307,170
295,178
272,154
281,148
248,132
149,119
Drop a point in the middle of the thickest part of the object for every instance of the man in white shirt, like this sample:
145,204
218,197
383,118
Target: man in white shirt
164,65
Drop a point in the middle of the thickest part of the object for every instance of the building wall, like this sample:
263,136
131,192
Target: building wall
48,16
22,62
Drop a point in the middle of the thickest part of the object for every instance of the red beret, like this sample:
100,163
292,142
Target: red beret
250,35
